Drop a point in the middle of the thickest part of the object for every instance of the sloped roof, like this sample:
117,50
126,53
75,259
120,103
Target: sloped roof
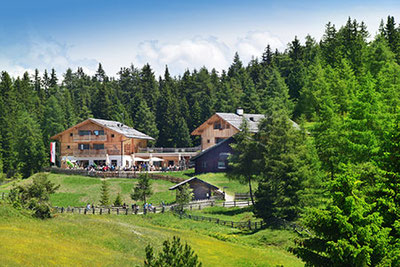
236,120
122,129
210,148
114,126
189,180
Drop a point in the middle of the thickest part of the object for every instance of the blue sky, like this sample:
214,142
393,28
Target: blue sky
180,34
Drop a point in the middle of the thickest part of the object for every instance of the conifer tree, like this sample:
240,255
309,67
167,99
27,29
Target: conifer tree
142,189
118,200
105,194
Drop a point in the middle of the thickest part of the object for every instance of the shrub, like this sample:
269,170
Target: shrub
34,196
174,254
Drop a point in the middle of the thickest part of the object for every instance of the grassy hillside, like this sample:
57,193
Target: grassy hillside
111,240
78,190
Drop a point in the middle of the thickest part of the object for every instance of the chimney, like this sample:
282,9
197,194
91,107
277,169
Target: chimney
239,111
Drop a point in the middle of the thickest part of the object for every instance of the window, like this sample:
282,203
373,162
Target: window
223,161
219,140
83,146
84,132
208,141
98,132
112,135
68,147
71,134
98,146
228,126
217,125
114,162
204,164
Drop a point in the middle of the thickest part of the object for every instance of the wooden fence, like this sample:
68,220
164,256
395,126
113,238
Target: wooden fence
155,209
114,174
251,225
242,196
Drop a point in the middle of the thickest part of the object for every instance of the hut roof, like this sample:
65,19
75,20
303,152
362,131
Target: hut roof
190,180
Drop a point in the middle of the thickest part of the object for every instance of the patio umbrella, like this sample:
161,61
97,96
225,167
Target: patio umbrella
107,160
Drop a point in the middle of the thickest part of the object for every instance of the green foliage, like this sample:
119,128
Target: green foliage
142,189
34,196
349,231
118,201
105,194
184,195
174,254
283,168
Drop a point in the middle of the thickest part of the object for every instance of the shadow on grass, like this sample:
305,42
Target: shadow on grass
230,212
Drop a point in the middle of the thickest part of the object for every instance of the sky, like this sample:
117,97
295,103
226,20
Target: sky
179,34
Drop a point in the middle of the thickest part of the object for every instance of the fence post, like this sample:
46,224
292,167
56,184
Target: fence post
126,211
109,211
199,206
223,204
249,225
231,224
136,210
154,209
248,202
190,207
79,210
163,209
117,211
94,210
101,211
72,210
255,225
234,203
217,221
62,209
2,195
212,203
84,211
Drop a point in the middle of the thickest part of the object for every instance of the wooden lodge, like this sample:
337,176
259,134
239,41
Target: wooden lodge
216,136
104,142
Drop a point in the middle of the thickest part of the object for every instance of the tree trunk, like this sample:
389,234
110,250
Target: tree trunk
251,192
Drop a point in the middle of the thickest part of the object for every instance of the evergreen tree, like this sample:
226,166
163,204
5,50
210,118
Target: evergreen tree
52,119
105,194
283,168
142,189
347,232
144,120
30,153
244,163
118,201
174,254
184,196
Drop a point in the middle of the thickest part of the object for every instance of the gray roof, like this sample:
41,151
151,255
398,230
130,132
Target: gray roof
252,119
122,129
189,180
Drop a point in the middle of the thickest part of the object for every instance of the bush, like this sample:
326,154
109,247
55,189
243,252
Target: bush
34,196
174,254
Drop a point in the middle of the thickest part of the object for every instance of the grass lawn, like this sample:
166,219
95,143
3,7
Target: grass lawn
218,179
78,190
111,240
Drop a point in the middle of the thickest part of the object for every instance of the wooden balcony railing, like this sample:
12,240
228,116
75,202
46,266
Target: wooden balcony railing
90,152
169,149
90,137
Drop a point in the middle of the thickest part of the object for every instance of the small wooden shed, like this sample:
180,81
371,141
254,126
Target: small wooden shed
201,189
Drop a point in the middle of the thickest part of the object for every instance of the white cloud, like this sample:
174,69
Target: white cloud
254,43
210,52
41,53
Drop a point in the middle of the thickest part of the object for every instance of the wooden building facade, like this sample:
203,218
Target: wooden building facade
100,142
201,189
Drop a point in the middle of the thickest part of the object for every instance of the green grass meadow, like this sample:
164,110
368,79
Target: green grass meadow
111,240
78,190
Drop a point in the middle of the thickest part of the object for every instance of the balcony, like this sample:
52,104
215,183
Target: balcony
168,149
90,152
90,137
